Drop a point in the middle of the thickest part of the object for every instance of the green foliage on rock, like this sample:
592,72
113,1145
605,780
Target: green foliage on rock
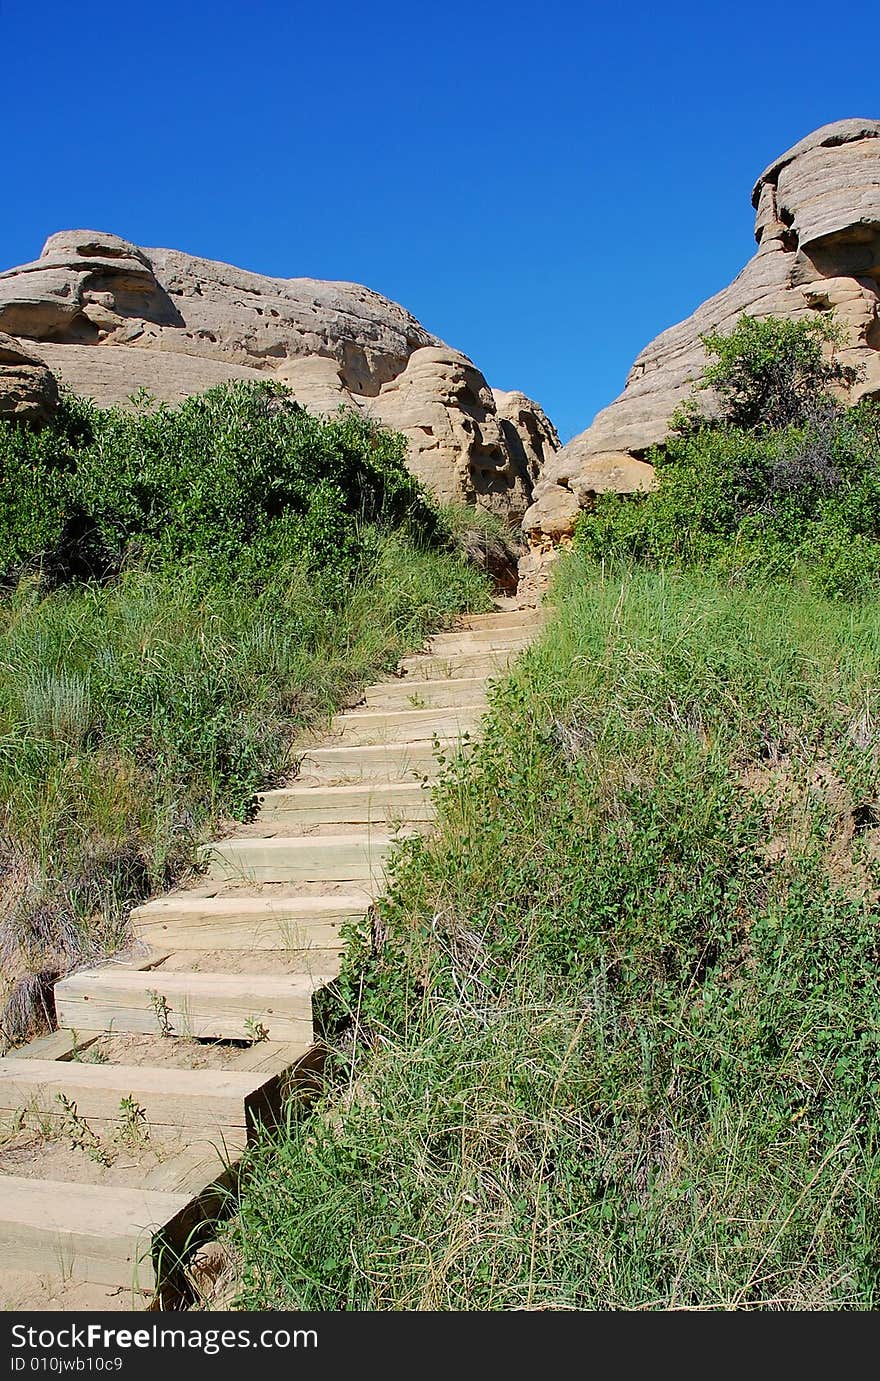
774,372
789,482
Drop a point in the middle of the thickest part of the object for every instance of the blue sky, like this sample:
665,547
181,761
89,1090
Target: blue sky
545,185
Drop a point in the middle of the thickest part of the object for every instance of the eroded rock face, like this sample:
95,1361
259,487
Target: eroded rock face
817,225
444,407
83,286
111,318
28,390
530,435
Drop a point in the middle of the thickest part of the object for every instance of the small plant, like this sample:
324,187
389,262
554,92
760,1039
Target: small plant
80,1134
133,1130
162,1012
255,1030
16,1122
89,1053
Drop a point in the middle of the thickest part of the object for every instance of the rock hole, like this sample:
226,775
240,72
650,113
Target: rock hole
866,817
790,240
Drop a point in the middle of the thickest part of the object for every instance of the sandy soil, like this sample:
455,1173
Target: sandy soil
28,1291
34,1155
265,961
178,1053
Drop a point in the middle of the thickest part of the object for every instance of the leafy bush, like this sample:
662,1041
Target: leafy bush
773,372
240,472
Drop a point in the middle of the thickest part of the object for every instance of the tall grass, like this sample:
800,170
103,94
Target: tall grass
136,714
618,1025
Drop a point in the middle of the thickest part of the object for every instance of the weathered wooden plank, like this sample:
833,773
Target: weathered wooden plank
108,1235
301,858
57,1045
168,1097
478,640
250,923
450,691
405,725
201,1005
439,666
357,803
394,762
529,620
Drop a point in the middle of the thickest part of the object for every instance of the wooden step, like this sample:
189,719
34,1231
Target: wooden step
382,802
57,1045
425,667
410,725
451,691
216,1006
527,619
369,778
215,1101
282,1058
387,762
248,923
483,640
88,1232
301,858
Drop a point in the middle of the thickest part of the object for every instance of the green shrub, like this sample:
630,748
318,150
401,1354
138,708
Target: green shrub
757,503
788,479
240,472
772,372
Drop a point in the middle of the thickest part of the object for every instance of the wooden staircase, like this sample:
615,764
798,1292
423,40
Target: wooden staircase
125,1127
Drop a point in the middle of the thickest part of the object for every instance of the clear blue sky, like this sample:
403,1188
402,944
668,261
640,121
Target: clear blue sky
546,185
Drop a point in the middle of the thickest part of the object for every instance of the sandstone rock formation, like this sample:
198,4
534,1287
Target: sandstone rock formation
818,230
444,406
28,391
530,435
110,318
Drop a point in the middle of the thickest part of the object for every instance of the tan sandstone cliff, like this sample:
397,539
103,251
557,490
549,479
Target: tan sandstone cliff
109,318
818,230
28,390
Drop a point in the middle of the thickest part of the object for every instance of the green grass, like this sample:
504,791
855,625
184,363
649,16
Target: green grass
620,1045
